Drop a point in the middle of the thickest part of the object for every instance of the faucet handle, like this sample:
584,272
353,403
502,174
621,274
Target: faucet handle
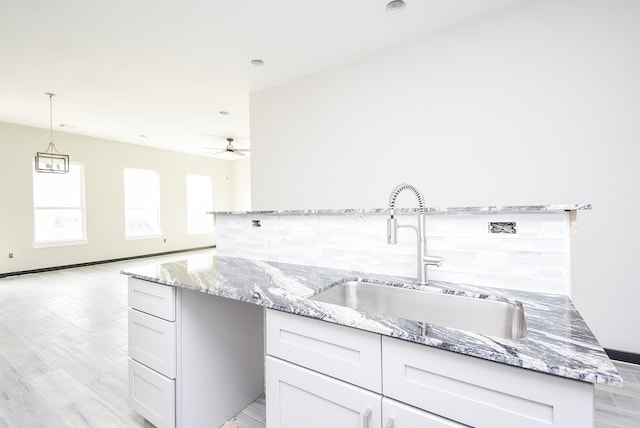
432,260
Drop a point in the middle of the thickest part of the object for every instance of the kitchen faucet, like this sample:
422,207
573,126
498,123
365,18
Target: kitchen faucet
392,230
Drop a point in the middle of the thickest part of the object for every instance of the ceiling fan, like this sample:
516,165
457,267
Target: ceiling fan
231,149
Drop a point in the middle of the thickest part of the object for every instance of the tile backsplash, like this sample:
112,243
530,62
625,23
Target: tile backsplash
536,257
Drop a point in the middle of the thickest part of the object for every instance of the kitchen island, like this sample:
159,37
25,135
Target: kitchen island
559,345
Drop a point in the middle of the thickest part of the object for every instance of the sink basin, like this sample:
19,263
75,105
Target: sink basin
484,316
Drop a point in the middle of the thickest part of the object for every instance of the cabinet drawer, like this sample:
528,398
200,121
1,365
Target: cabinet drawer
152,395
342,352
482,393
399,415
301,398
152,342
152,298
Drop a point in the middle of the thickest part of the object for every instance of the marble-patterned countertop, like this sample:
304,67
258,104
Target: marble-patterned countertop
429,210
559,342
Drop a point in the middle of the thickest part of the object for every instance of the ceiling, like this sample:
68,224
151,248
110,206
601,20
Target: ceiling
159,72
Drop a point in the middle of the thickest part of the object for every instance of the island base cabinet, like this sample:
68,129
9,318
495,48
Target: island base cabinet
399,415
297,397
221,359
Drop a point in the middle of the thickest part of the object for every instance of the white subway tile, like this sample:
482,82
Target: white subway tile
536,256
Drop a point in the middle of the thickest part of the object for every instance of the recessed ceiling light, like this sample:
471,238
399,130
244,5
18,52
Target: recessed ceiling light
257,62
223,112
395,6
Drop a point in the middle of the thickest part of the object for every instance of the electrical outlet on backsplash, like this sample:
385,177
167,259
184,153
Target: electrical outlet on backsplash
536,257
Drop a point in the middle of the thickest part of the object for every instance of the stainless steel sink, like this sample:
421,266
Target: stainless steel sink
490,317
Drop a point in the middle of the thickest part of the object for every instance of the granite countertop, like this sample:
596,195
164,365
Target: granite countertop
428,210
559,342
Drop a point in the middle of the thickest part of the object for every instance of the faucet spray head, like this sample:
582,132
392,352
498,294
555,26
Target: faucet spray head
392,230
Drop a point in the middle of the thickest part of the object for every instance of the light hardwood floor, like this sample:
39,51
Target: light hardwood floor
63,355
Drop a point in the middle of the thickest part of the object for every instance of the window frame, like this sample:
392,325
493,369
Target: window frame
83,210
158,208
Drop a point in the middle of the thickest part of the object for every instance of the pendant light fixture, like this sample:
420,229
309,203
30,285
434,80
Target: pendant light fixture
51,160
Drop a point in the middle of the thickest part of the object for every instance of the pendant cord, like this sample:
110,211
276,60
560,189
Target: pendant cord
50,117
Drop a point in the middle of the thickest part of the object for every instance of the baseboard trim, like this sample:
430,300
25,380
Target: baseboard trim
98,262
627,357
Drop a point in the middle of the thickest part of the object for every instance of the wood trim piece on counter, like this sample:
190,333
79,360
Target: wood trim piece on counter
627,357
98,262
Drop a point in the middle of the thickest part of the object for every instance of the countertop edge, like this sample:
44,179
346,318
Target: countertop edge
428,210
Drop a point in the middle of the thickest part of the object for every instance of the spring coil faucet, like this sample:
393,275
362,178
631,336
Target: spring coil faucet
392,230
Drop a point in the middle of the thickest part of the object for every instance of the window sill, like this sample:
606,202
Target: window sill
139,237
50,244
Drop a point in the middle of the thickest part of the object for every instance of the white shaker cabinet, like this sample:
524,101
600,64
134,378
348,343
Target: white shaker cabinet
316,375
305,359
195,360
298,397
152,351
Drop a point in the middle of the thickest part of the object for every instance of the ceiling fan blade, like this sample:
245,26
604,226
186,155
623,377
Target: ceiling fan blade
237,152
242,150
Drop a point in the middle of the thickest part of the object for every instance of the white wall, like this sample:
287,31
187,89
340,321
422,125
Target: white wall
241,185
538,104
104,162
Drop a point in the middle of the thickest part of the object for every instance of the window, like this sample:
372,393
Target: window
58,207
141,203
199,201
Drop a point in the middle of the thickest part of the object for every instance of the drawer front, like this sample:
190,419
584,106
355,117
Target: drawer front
155,299
482,393
152,342
342,352
152,395
399,415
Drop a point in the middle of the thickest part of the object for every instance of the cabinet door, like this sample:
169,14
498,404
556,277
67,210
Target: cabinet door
298,397
399,415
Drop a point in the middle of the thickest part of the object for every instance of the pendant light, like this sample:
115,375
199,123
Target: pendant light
51,160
